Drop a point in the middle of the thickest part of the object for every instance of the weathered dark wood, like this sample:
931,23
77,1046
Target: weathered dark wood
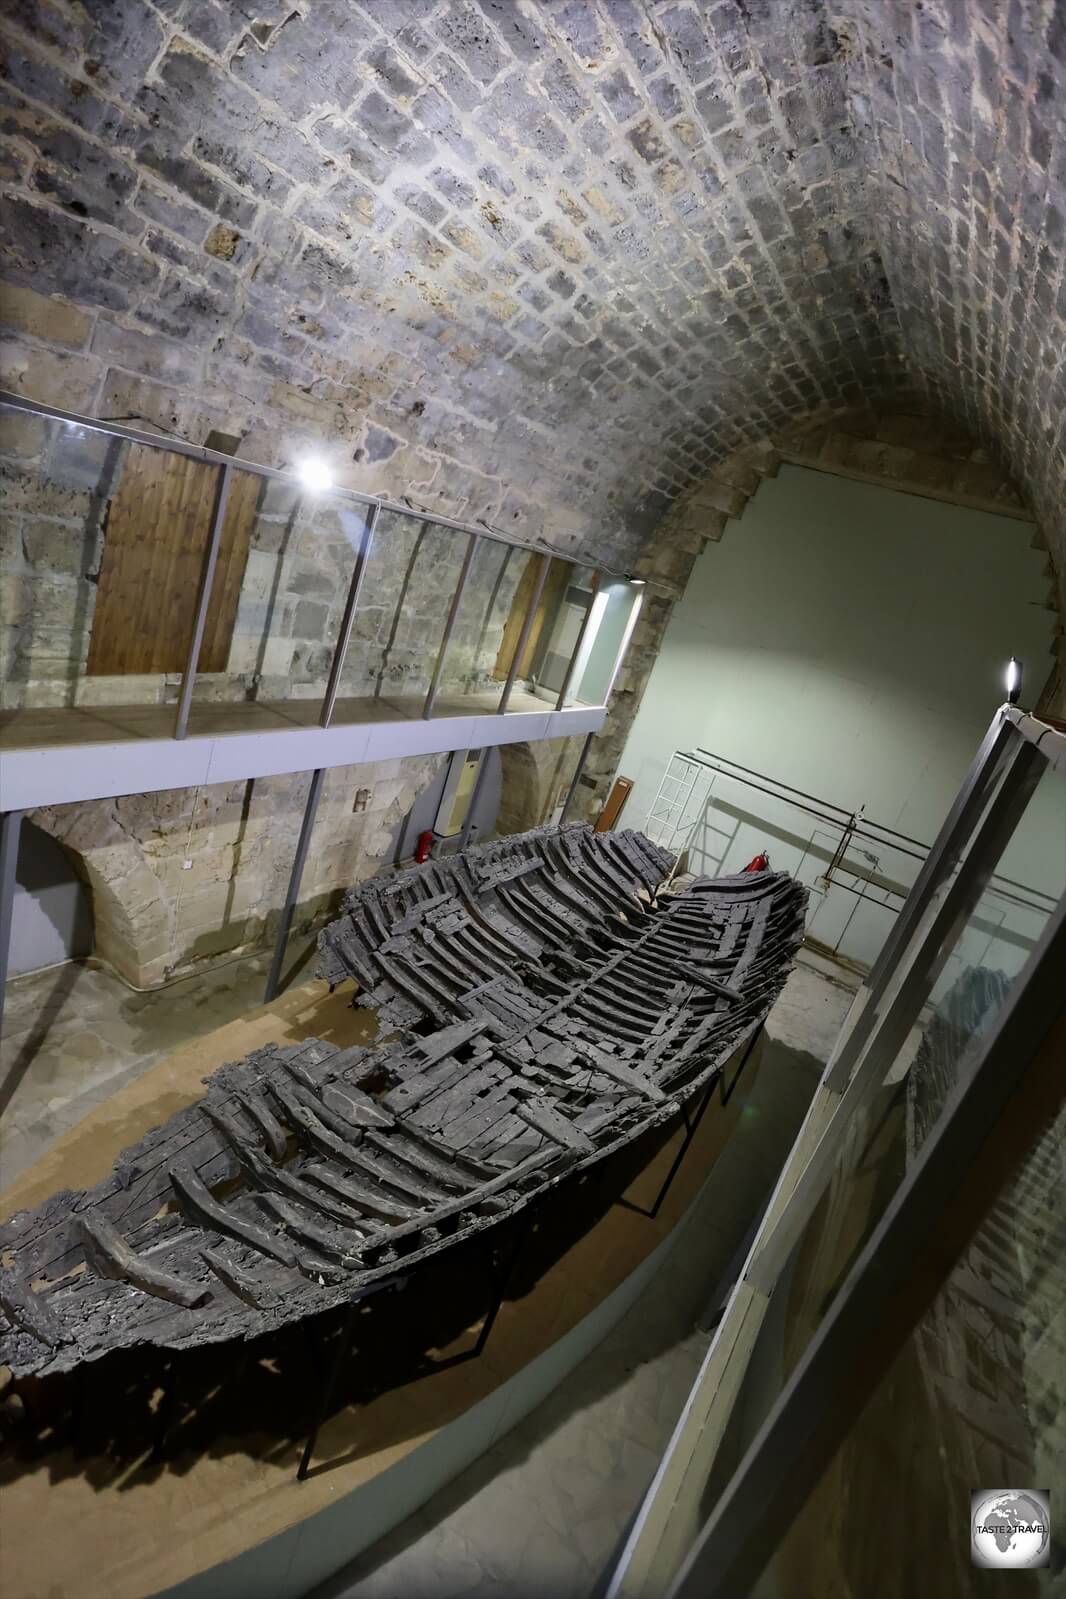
111,1256
550,1003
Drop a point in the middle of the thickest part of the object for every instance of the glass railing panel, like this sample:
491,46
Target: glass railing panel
285,565
473,674
540,644
940,1018
412,576
967,987
965,1423
82,622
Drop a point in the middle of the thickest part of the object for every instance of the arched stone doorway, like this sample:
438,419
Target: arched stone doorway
51,915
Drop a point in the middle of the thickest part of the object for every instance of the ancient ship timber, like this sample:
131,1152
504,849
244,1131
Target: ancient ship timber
547,998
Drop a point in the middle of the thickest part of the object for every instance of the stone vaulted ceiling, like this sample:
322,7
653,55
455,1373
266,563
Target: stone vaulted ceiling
540,261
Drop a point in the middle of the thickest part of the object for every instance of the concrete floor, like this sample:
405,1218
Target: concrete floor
74,1034
544,1511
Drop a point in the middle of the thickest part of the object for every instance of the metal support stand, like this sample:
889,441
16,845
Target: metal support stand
692,1127
10,828
449,627
362,559
203,601
344,1345
575,780
497,1278
292,893
725,1094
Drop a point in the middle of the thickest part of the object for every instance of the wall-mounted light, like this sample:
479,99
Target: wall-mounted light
638,582
1013,680
314,474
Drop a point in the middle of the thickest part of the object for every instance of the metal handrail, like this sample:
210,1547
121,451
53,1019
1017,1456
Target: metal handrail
374,505
201,452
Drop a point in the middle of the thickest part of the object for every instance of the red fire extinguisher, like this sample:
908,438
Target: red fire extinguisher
424,846
760,863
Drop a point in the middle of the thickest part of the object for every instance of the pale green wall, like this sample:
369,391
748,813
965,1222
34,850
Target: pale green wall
847,640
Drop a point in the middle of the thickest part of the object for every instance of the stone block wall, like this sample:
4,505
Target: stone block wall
55,485
535,261
193,875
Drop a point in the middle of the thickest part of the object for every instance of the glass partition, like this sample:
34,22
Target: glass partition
471,678
59,482
922,1098
412,577
106,540
615,607
285,568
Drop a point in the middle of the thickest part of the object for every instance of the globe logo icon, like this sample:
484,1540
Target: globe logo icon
1010,1528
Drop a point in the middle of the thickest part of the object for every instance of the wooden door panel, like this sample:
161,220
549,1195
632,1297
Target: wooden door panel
157,532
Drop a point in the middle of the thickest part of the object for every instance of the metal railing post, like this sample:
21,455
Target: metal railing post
586,623
203,600
314,794
575,780
527,628
449,626
10,829
362,559
479,783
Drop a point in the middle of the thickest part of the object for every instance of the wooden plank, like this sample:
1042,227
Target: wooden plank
554,588
612,809
241,510
157,531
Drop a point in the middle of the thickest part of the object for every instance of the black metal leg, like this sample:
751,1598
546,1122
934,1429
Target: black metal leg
500,1281
343,1350
292,893
167,1406
691,1128
726,1094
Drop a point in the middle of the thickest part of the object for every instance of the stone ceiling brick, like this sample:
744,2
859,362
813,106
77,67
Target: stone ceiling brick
573,251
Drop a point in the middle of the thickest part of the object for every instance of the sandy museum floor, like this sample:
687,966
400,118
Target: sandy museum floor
545,1508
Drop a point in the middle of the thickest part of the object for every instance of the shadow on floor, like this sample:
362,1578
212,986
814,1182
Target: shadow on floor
51,1007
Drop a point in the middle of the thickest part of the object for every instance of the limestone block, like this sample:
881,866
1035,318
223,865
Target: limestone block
22,436
22,489
134,688
61,547
51,320
275,665
53,377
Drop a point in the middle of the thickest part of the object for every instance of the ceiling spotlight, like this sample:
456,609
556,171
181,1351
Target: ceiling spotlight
314,474
1014,680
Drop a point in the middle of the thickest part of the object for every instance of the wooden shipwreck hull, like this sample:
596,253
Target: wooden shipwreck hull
547,1003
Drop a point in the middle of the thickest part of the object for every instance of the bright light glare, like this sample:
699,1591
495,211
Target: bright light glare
1014,677
314,474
